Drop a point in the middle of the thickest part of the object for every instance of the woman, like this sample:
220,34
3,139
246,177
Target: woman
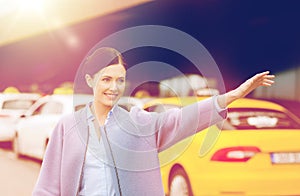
106,150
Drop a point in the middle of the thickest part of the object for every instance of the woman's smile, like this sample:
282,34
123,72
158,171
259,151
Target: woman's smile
111,96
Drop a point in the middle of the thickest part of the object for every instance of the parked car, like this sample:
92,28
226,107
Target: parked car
35,127
256,153
12,106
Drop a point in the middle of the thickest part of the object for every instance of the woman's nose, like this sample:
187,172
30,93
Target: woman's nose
113,85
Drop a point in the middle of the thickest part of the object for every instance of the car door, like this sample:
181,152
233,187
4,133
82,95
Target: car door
35,129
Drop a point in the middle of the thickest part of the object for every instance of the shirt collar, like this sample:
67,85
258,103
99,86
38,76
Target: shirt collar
90,115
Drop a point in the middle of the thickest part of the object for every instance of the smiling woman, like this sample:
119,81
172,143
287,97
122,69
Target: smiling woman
108,82
122,145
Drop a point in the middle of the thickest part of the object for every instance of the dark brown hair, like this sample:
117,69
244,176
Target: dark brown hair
100,58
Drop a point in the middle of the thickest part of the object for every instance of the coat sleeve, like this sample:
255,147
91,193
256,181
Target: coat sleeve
177,124
48,182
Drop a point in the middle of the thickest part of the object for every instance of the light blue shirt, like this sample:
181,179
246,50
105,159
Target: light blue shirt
97,179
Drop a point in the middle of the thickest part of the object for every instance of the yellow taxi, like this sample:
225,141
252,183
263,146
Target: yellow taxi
255,151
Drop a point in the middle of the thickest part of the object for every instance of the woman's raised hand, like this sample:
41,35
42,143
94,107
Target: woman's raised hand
260,79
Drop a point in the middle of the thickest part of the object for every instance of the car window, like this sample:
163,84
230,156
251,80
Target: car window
49,108
17,104
249,118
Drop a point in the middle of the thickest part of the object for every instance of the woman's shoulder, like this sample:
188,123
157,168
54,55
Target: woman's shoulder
71,120
140,116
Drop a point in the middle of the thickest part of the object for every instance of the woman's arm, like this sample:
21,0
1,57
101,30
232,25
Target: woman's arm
260,79
177,124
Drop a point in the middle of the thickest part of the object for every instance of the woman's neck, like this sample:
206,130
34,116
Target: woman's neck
100,111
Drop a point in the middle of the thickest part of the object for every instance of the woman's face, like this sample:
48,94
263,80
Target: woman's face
108,84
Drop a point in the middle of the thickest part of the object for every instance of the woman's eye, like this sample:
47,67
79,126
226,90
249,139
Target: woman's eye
105,79
121,81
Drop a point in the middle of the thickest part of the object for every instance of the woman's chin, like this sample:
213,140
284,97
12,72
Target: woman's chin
111,103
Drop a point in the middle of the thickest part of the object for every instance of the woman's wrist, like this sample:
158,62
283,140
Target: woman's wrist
225,99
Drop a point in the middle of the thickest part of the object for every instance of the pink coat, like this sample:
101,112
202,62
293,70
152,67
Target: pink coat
135,139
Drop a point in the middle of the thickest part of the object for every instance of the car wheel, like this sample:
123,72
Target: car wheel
180,184
45,148
16,147
46,144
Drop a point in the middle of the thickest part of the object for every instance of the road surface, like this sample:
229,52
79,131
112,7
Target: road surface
17,175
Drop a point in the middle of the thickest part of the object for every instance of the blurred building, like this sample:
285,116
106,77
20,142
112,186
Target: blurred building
187,85
285,91
287,86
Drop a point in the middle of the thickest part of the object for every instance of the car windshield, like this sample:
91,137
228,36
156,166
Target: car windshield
247,118
255,118
17,104
49,108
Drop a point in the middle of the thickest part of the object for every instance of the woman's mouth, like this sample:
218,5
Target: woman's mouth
111,96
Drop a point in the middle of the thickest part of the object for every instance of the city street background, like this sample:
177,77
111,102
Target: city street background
42,43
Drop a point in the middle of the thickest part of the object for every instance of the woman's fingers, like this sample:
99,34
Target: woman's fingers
266,84
264,78
269,76
260,79
263,73
260,76
268,81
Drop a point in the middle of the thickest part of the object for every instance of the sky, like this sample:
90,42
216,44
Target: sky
21,19
244,37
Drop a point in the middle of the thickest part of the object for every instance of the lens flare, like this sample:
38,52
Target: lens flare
30,5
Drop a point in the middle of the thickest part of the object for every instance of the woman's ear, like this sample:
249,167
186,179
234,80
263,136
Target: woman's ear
89,80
